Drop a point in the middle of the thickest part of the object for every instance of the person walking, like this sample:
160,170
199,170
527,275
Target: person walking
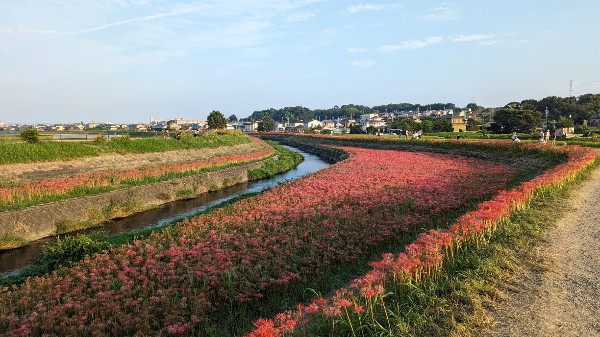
554,138
514,136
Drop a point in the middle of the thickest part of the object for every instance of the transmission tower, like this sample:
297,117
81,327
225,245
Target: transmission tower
571,88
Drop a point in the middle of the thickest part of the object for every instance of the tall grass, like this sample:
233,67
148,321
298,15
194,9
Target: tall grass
11,153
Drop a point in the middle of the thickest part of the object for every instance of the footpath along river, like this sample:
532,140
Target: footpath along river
12,260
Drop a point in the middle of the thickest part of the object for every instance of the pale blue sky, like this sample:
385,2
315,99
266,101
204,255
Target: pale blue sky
125,61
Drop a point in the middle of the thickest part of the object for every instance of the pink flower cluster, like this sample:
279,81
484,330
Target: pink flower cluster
424,258
260,247
32,189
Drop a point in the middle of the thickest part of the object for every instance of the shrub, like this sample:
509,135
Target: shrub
99,139
30,136
70,249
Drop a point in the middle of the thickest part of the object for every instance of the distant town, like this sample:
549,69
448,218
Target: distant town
458,120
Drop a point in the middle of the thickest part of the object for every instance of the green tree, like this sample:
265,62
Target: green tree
410,125
565,122
371,129
513,120
473,124
267,124
356,129
30,136
427,126
232,118
216,120
442,125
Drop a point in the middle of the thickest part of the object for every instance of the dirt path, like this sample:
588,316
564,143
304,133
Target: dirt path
563,297
15,172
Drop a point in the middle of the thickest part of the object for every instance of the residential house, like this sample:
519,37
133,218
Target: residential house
313,123
250,127
137,127
375,122
594,120
458,122
328,124
297,122
295,129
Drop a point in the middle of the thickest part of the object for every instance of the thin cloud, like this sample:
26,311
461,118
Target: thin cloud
442,14
145,18
366,63
5,52
469,38
299,17
46,32
412,44
19,29
489,43
369,7
358,50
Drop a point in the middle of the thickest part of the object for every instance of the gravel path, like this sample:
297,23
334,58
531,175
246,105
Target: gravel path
563,297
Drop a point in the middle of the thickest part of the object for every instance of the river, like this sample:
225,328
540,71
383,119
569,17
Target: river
11,261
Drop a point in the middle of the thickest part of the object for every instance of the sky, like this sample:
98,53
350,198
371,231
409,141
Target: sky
125,61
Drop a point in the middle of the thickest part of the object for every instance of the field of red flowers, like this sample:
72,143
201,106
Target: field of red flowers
361,310
240,256
33,189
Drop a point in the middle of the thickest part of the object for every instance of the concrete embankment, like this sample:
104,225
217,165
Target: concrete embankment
40,221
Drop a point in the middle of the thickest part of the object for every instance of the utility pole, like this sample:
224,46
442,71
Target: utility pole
571,88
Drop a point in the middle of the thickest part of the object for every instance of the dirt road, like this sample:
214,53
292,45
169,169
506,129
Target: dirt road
563,297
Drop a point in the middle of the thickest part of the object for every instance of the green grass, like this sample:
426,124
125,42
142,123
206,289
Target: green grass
13,152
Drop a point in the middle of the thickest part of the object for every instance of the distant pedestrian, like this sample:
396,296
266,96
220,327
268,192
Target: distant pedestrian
178,136
458,136
554,138
166,135
514,136
541,136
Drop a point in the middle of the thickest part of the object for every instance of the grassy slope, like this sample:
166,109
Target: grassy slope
11,153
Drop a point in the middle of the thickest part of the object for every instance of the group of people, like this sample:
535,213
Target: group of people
415,135
544,137
178,135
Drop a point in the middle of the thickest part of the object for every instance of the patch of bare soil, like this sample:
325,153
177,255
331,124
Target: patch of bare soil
559,295
37,171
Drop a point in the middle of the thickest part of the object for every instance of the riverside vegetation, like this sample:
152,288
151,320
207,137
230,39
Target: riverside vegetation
51,151
264,252
73,248
34,192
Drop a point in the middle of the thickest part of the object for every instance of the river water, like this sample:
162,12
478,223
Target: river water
12,260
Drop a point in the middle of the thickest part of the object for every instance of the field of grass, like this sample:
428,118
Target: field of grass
14,152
